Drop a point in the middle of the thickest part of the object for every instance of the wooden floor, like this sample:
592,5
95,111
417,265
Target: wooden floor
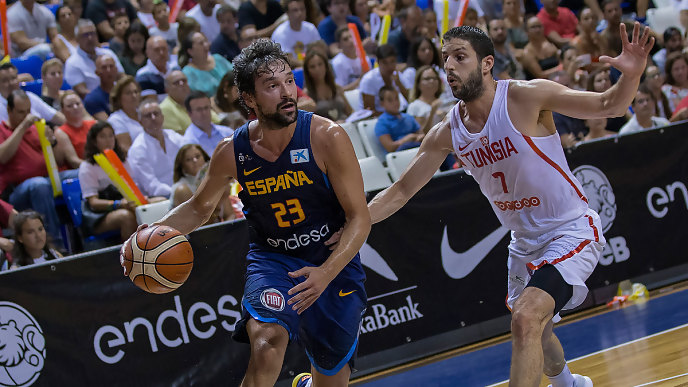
659,360
643,344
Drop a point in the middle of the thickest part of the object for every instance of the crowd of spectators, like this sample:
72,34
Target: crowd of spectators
120,75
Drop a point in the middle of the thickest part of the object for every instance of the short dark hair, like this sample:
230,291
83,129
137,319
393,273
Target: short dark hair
340,31
385,51
671,31
565,49
479,41
7,66
224,8
15,95
604,3
285,3
255,60
195,94
384,89
645,89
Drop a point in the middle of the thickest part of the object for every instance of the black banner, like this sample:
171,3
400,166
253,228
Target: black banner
437,266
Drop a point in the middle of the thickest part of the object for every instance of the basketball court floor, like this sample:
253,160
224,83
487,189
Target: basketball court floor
640,344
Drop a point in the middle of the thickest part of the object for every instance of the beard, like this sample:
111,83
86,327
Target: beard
471,89
276,119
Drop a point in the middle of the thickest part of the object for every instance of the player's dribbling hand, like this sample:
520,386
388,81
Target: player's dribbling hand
124,245
308,291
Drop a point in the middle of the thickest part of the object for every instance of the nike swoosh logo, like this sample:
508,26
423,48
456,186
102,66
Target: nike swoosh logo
342,294
373,260
246,173
458,265
462,148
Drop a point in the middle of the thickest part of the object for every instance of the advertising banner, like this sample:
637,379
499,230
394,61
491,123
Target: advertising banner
436,266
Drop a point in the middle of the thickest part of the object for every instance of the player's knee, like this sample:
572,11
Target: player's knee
526,323
269,343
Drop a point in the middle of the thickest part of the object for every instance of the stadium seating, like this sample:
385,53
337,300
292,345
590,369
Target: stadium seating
355,138
375,176
370,141
28,64
71,194
149,213
398,161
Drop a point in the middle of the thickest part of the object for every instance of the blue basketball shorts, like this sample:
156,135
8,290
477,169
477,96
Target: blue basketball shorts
328,329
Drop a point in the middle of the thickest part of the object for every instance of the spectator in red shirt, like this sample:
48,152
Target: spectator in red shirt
22,166
76,128
560,23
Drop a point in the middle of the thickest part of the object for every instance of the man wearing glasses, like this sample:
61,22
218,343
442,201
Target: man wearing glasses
153,152
176,116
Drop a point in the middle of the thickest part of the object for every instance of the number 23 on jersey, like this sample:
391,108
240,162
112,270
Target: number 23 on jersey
288,213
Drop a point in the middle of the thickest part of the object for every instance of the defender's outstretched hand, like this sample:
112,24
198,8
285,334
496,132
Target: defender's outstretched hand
633,58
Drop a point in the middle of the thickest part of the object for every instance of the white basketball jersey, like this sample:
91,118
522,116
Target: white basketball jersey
526,179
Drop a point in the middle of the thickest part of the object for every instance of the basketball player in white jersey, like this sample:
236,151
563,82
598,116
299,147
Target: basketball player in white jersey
504,135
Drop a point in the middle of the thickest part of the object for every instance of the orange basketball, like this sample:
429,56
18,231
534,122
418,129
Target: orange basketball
158,259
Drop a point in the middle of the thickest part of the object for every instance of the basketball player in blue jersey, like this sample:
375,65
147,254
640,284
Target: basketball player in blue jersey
301,184
503,133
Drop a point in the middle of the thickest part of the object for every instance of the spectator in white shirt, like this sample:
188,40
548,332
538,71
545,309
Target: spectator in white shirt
167,30
384,74
152,154
346,64
30,25
644,106
205,13
295,33
9,83
80,69
124,99
202,131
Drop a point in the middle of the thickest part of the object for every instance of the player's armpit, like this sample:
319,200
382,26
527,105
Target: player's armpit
432,152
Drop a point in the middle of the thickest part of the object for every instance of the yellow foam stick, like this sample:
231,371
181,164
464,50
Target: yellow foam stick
116,179
445,17
50,164
384,31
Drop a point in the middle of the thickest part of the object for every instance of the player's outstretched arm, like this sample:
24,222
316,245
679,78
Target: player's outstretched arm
196,211
433,151
332,145
581,104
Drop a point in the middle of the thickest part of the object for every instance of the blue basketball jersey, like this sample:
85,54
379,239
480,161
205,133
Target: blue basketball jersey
289,204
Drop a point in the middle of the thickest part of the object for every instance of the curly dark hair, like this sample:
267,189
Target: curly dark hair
259,58
91,149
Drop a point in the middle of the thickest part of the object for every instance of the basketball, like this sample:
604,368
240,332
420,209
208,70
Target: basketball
158,259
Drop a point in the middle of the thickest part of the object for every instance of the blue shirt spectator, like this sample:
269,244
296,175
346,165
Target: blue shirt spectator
97,101
327,27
